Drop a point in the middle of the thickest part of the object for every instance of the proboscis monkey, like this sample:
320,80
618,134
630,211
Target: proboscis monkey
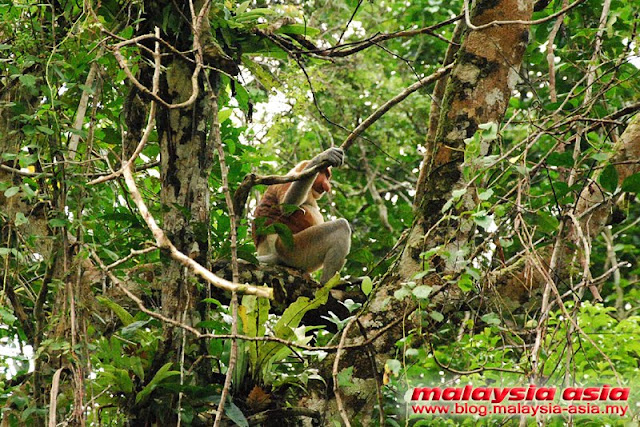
315,243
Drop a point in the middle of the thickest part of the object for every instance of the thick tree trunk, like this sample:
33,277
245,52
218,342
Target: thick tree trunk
186,160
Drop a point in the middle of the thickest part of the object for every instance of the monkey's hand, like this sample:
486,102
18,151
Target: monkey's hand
334,156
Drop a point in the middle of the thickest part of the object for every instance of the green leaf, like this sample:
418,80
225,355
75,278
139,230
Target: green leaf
547,222
401,293
482,219
127,32
136,367
431,252
133,327
473,272
345,377
28,191
20,219
560,159
298,29
242,7
632,183
28,80
12,191
122,314
490,131
162,374
285,234
420,274
486,194
209,324
212,301
45,130
242,96
230,410
7,317
561,188
235,414
456,194
271,352
436,315
114,256
254,14
58,222
224,114
367,285
422,291
447,206
609,178
260,72
491,319
465,283
231,145
122,380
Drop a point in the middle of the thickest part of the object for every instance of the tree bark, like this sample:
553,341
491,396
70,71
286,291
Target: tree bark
186,160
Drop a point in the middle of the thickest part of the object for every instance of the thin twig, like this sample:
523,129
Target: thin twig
516,21
150,122
586,258
224,173
25,173
392,102
132,253
242,192
353,15
336,365
373,191
550,56
347,49
163,242
82,110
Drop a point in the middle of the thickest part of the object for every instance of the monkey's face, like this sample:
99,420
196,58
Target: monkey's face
322,184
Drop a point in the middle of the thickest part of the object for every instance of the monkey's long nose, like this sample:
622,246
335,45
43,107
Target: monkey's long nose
326,187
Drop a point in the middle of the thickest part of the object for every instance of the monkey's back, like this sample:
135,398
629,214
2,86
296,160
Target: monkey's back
271,210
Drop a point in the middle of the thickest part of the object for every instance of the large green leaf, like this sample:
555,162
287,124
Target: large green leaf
163,373
609,178
288,322
122,314
631,184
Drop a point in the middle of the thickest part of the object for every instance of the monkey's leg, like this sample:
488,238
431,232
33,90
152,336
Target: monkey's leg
267,253
325,245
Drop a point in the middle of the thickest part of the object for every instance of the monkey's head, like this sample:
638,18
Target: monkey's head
322,184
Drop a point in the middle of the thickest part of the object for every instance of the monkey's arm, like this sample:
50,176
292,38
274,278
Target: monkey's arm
299,190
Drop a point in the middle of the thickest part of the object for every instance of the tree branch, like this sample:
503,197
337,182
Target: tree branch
242,192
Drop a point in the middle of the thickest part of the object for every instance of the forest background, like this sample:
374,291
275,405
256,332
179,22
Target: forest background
491,183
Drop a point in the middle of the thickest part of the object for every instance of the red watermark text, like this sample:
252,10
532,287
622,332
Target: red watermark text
531,400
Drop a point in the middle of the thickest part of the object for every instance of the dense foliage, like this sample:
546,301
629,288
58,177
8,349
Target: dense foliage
72,341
